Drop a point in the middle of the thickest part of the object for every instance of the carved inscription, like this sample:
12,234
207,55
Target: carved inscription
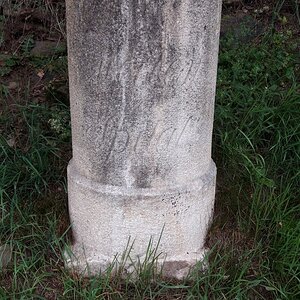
158,139
139,62
169,62
176,72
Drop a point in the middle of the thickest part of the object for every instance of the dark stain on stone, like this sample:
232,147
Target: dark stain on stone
142,177
176,4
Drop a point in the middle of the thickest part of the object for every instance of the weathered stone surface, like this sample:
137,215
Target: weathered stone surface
142,88
105,217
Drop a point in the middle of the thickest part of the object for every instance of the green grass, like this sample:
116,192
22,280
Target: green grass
257,140
255,237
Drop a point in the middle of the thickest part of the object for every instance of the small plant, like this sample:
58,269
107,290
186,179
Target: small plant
27,45
4,91
60,123
7,62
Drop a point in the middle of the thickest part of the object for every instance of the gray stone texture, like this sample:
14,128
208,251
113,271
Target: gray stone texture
142,89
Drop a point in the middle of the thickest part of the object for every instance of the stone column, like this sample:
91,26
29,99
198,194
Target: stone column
142,87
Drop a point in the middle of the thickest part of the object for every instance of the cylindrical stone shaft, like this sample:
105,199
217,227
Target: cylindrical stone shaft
142,88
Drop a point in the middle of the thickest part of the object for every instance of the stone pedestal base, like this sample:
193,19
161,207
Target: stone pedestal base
109,220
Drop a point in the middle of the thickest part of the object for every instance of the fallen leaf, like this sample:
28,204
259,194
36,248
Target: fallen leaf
11,142
12,85
5,255
40,73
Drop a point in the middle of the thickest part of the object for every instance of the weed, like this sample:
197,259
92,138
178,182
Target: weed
7,62
27,45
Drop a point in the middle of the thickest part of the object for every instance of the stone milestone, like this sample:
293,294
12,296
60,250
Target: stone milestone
142,88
